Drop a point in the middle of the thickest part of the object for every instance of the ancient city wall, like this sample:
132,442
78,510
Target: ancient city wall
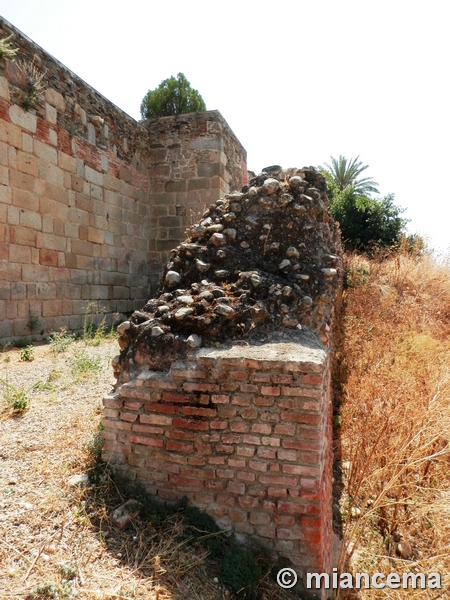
86,212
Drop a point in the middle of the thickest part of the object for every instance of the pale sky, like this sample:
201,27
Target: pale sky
297,81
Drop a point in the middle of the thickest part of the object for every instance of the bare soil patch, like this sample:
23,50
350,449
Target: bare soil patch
56,538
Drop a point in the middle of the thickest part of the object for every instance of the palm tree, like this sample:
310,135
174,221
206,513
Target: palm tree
344,173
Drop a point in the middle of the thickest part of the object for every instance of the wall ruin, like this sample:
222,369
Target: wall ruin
223,383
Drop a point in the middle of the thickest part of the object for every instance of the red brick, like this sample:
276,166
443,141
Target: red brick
178,447
239,426
259,518
203,449
196,461
291,533
194,425
258,465
274,467
200,387
244,451
236,487
312,380
132,405
118,425
216,460
277,492
224,449
214,485
112,402
158,384
236,462
301,470
111,413
200,473
156,419
301,418
181,435
278,480
248,388
148,429
188,373
262,428
252,364
238,516
283,379
130,417
186,481
218,424
146,441
181,398
285,430
271,441
108,435
240,401
260,401
270,391
261,377
225,473
226,412
252,439
269,417
161,408
230,438
248,503
287,455
264,452
295,508
229,386
286,520
246,476
225,500
269,505
199,412
220,399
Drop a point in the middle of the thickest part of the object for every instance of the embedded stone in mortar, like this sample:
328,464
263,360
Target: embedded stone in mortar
277,267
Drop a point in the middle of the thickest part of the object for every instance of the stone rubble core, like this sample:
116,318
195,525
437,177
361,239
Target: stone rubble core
259,262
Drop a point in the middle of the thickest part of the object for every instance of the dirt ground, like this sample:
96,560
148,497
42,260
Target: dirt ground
56,538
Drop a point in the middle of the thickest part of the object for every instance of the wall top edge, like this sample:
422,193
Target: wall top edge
5,24
306,350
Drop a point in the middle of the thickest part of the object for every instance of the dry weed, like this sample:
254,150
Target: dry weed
393,368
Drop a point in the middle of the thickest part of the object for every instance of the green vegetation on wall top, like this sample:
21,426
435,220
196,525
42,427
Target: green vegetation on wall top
173,96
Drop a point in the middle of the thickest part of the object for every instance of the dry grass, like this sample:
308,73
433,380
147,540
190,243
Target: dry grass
57,540
393,366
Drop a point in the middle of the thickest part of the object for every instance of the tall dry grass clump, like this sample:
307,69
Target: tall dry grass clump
393,386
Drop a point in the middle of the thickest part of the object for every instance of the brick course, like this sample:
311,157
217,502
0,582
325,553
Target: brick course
263,475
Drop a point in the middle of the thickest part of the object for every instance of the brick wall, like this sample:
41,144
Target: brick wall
245,433
86,211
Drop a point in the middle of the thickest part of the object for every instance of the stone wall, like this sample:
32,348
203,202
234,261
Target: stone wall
245,434
83,215
193,160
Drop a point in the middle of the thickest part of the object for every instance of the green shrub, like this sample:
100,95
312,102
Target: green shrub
60,340
82,364
27,353
173,96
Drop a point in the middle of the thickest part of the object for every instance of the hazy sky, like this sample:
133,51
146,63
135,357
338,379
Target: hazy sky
297,81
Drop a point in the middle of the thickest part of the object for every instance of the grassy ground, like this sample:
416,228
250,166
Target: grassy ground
57,540
393,447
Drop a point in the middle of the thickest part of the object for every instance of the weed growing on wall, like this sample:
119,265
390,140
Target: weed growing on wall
6,48
34,84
